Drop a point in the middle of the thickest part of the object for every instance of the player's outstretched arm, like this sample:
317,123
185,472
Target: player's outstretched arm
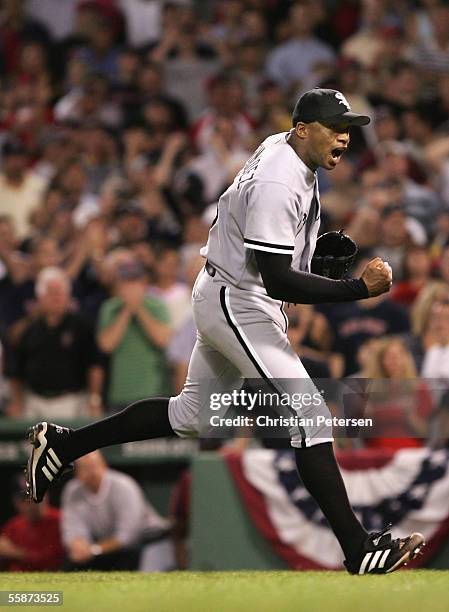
284,283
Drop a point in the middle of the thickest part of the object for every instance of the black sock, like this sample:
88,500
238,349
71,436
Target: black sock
321,476
145,419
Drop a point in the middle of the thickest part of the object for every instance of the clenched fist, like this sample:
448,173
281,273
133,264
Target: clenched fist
377,277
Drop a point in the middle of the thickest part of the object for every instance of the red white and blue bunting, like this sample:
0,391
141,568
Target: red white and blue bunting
408,488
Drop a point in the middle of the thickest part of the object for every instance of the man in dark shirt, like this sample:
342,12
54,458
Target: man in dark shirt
355,322
55,369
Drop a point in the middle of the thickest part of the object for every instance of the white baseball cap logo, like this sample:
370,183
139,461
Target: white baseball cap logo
342,100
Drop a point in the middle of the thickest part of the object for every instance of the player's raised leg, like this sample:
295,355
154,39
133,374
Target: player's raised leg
54,448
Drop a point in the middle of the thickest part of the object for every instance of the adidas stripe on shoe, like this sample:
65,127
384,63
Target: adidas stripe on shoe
382,555
45,462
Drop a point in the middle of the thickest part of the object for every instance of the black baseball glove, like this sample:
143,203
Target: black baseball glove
334,255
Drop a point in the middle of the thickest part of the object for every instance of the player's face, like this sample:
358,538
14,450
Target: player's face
326,144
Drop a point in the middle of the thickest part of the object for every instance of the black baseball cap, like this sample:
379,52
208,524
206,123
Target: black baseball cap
326,106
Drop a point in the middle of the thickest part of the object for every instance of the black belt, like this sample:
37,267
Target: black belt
210,269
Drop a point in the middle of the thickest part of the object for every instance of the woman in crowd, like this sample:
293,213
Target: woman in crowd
397,401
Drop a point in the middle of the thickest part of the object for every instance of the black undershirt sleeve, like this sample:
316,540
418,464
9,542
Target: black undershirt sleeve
284,283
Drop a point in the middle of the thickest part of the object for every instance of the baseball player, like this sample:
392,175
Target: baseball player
258,256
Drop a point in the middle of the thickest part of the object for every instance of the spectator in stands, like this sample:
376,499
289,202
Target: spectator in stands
150,81
55,149
22,547
386,127
249,66
72,180
420,23
169,288
131,224
129,64
255,25
92,101
33,63
55,369
401,91
396,236
432,54
21,188
229,28
99,156
101,53
106,519
419,201
381,222
226,99
217,166
340,200
17,27
187,67
365,44
19,298
425,324
160,118
273,113
134,331
397,401
394,48
436,357
417,273
418,134
173,16
317,57
160,189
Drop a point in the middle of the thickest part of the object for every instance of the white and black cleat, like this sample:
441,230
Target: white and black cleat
382,555
46,462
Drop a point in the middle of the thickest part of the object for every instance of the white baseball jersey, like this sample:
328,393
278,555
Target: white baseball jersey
270,207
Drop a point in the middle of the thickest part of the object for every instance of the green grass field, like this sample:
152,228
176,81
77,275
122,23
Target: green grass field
408,591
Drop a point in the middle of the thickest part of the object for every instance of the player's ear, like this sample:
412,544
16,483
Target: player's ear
301,130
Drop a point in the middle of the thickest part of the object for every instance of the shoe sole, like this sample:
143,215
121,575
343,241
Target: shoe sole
412,549
36,437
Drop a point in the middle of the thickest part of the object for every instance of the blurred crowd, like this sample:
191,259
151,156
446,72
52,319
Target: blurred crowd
122,122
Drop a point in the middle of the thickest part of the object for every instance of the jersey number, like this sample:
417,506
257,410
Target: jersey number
247,172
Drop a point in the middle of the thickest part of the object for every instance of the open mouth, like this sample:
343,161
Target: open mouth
338,152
